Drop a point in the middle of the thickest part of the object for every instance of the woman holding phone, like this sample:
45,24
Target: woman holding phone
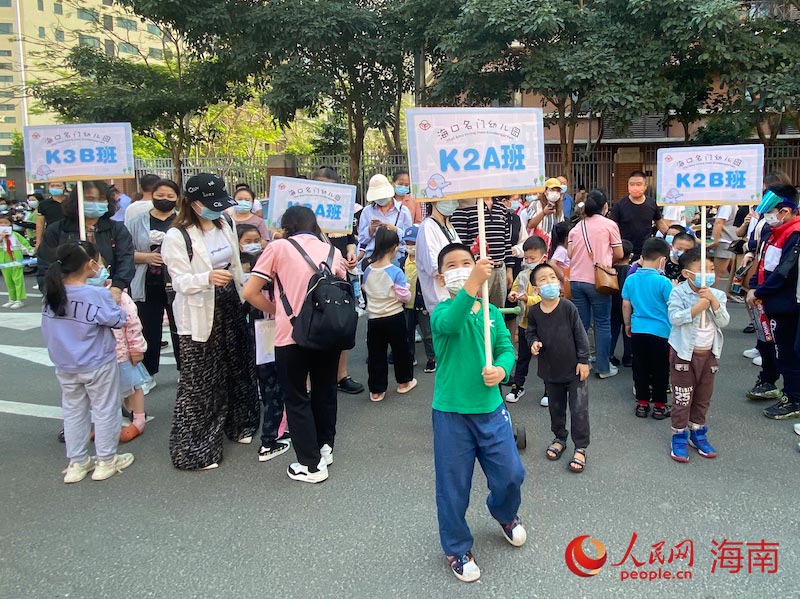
547,211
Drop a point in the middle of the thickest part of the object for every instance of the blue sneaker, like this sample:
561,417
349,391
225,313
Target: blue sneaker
464,567
697,439
680,447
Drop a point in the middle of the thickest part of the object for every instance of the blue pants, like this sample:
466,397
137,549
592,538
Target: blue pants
594,306
457,440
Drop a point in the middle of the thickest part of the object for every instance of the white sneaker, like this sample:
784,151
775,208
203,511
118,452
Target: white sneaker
751,353
612,371
76,472
757,361
517,535
16,305
108,468
245,440
544,402
149,385
326,451
417,337
797,428
8,304
299,472
464,567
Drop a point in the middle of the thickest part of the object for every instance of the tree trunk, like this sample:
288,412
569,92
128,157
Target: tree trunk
563,138
391,147
686,135
359,132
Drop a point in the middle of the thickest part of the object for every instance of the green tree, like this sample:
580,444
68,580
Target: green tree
581,57
17,153
341,55
161,100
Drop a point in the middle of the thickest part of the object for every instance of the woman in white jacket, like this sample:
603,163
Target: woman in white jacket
217,391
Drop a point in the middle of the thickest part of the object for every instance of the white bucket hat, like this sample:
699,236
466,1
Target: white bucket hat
379,188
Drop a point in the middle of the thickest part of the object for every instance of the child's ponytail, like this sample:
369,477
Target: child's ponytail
71,257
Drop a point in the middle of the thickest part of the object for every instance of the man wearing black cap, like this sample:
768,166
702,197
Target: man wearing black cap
776,285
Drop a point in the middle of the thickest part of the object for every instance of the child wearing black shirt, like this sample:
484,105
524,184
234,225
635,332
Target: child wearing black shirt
558,338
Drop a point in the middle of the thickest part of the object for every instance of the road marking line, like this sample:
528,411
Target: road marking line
21,321
29,294
39,355
19,408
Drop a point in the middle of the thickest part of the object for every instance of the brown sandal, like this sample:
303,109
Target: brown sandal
553,453
576,464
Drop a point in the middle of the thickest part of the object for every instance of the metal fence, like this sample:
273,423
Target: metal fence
233,170
595,169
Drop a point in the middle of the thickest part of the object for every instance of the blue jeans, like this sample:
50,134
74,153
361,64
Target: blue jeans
457,440
594,306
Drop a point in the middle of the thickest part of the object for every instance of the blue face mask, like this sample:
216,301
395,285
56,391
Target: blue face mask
243,206
710,279
669,239
446,207
56,191
95,209
251,248
530,198
99,279
549,291
209,214
515,205
402,190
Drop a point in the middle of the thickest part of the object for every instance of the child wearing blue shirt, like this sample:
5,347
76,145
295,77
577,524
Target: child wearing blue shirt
644,310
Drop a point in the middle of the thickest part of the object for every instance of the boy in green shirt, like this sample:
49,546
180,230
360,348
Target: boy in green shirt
12,247
469,418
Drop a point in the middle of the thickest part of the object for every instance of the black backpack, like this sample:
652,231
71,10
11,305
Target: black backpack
327,320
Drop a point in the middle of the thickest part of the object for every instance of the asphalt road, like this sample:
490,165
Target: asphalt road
246,530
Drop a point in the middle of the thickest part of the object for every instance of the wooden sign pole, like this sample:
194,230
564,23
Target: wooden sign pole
81,215
487,326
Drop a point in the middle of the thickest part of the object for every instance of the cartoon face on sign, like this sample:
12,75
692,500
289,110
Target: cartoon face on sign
42,173
436,185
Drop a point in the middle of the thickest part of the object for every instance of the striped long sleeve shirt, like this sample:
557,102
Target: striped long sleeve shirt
498,230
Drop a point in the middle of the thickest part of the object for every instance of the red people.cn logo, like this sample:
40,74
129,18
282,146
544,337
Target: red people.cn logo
581,564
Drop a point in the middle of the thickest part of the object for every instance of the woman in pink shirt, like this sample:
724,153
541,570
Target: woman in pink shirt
311,416
595,240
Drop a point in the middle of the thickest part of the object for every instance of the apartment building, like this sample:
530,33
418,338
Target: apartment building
32,32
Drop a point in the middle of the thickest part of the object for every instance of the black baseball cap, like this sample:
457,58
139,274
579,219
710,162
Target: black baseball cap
210,190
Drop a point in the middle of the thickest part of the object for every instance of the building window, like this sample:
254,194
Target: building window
5,148
127,24
87,40
110,47
10,120
7,4
153,29
6,28
108,22
41,32
39,4
125,48
85,14
6,94
156,53
59,35
108,2
5,66
6,78
5,52
58,8
6,135
7,107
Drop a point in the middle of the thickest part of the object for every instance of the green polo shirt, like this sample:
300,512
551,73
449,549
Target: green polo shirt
460,356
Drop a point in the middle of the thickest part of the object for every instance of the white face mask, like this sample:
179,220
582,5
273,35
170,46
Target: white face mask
412,251
5,230
454,279
552,196
383,202
771,218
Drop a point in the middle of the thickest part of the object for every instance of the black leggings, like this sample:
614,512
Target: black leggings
382,333
151,313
